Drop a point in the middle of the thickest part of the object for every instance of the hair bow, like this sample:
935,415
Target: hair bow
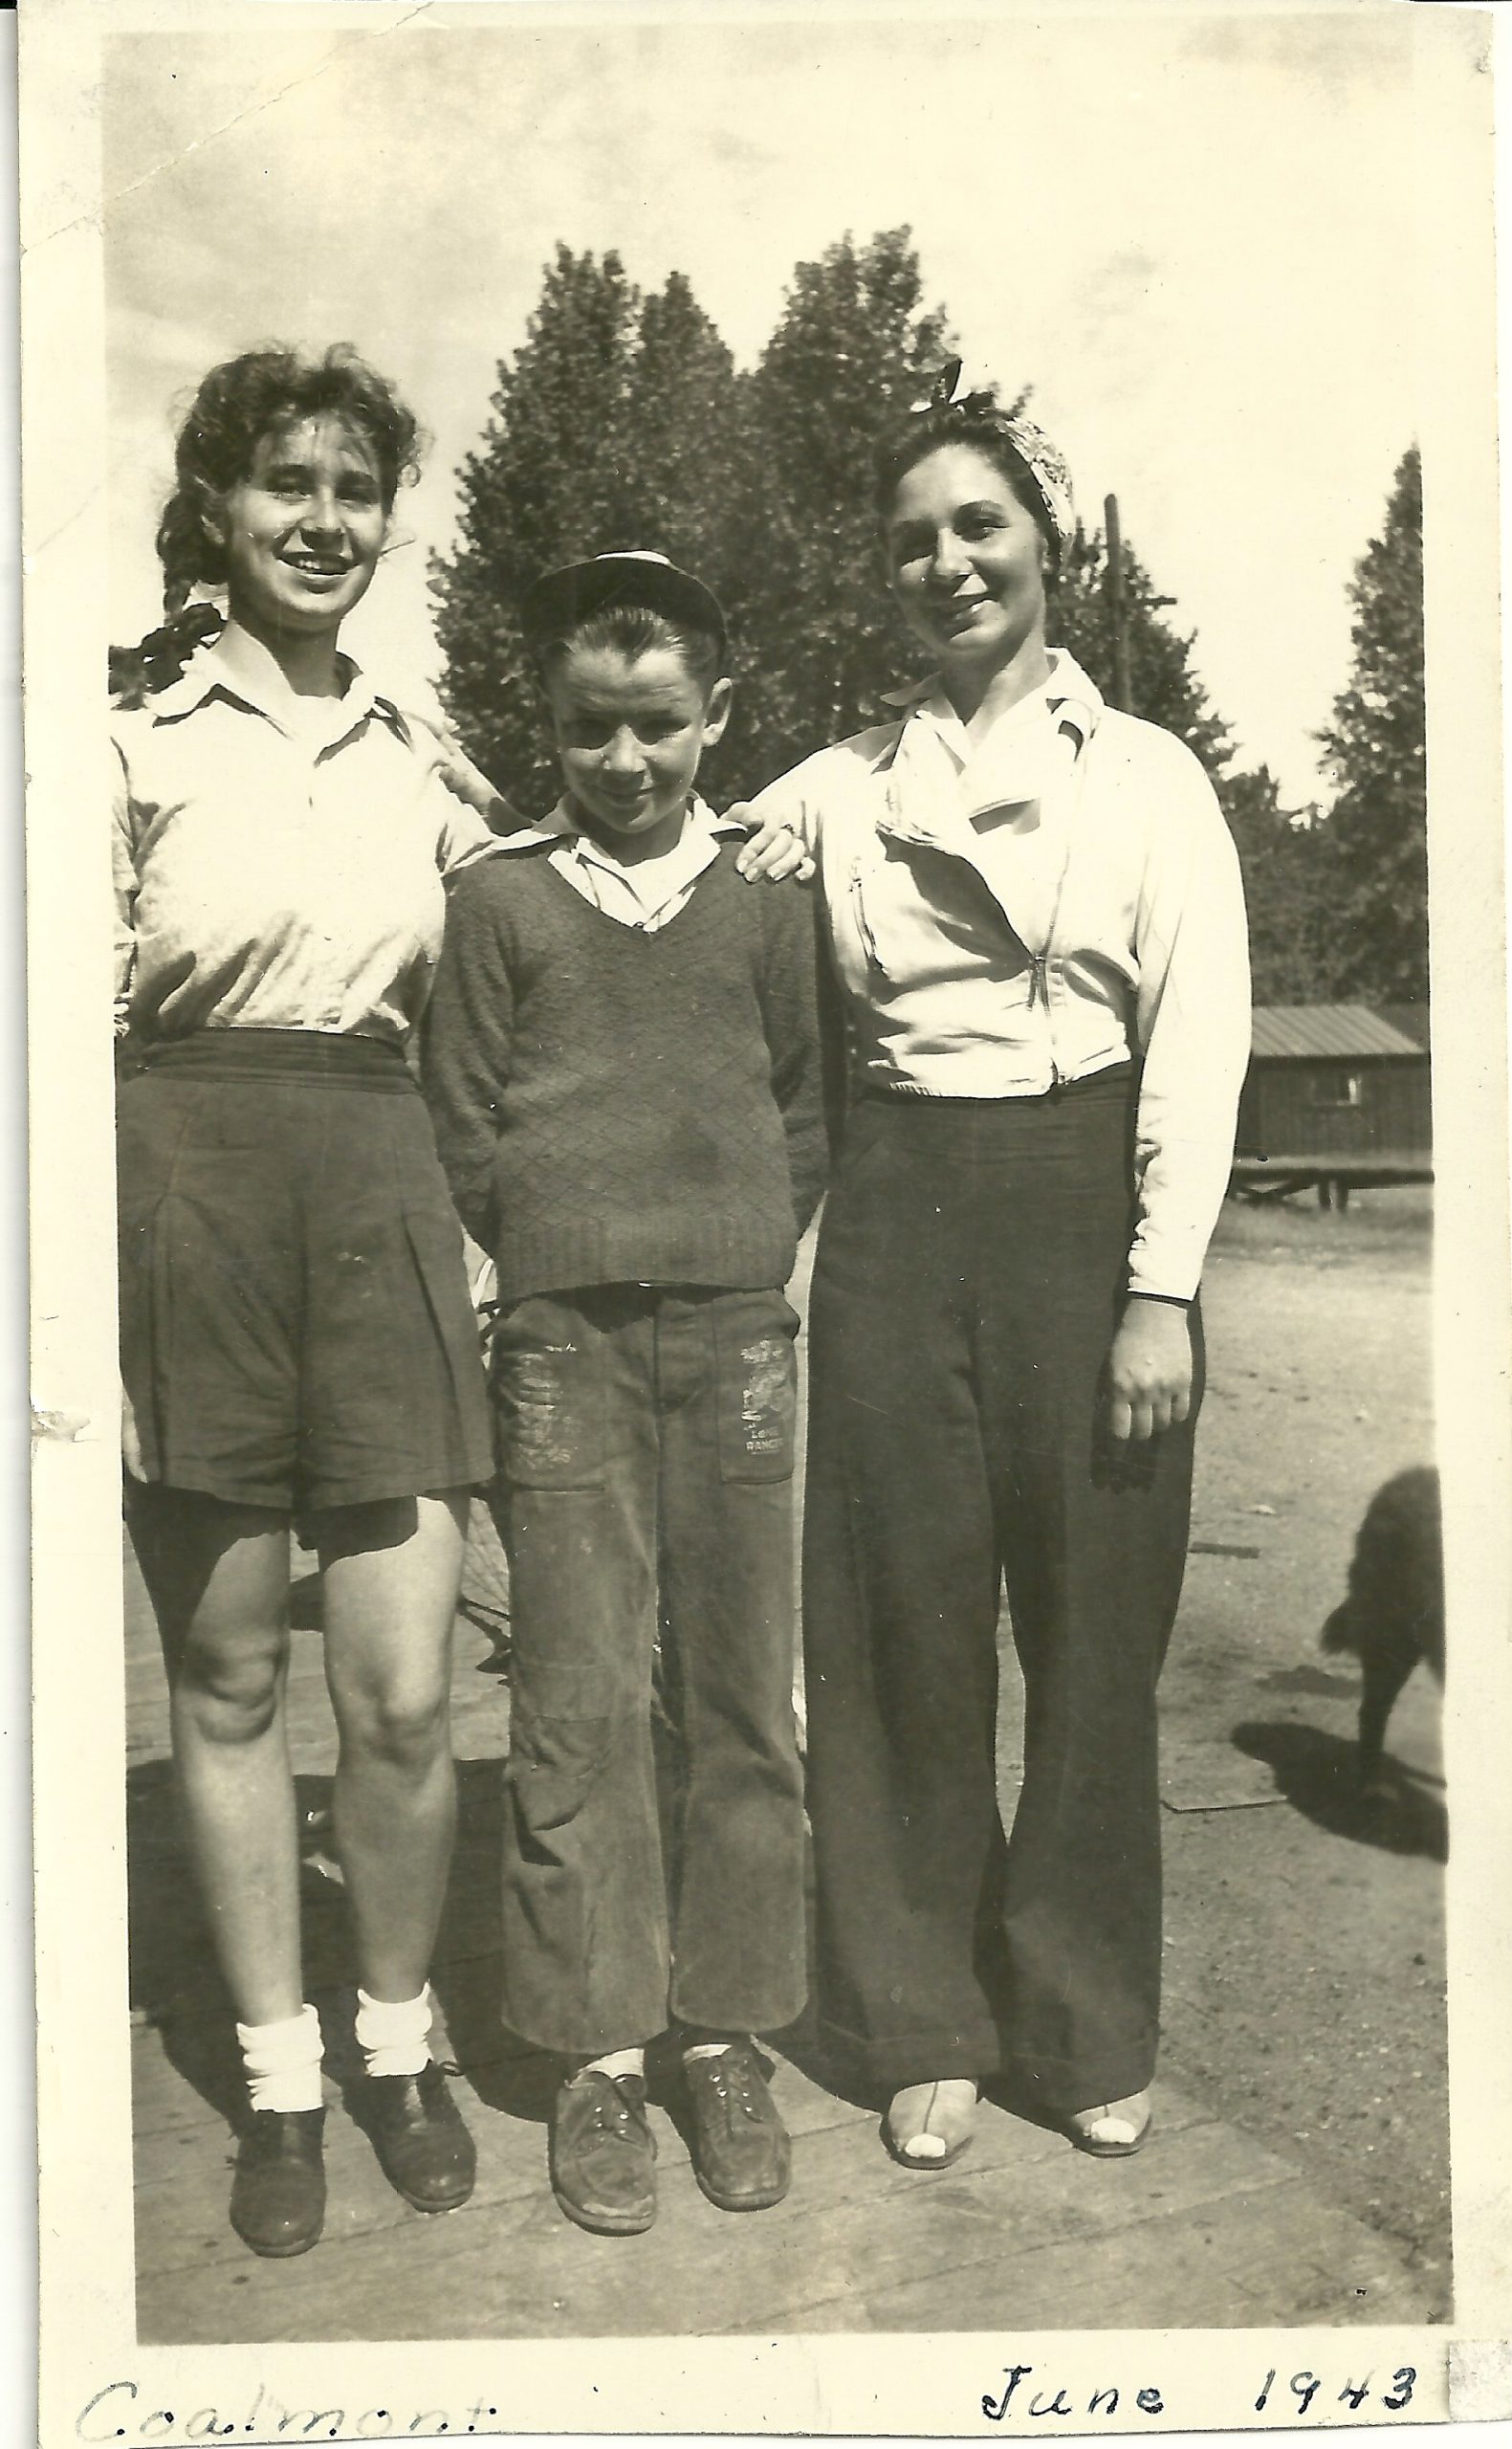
950,388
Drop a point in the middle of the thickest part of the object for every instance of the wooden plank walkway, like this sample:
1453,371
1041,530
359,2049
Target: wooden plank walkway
1206,2228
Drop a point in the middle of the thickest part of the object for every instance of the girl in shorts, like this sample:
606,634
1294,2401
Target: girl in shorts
296,1337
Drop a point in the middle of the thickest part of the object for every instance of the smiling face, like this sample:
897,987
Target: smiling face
966,561
630,731
302,532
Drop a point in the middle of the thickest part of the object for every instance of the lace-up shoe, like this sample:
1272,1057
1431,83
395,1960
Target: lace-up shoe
422,2147
743,2157
604,2154
279,2192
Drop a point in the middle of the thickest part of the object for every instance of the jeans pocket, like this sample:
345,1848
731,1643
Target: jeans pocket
549,1396
756,1358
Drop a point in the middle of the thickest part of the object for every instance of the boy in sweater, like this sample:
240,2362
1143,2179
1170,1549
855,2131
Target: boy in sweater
622,1061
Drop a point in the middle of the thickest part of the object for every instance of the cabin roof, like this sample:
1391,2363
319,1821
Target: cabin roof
1411,1018
1332,1030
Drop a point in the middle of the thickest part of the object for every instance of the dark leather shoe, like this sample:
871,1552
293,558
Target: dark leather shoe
743,2157
422,2147
279,2192
604,2154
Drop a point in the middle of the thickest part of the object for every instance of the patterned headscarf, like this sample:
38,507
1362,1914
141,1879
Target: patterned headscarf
949,392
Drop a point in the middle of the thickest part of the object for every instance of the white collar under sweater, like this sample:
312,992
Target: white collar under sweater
650,892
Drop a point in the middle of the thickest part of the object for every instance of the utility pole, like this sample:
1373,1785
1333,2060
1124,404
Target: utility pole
1122,687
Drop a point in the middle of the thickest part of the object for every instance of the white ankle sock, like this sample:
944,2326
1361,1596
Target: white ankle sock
393,2034
616,2062
707,2050
282,2061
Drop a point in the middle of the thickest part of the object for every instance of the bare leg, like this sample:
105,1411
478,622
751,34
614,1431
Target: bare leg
391,1573
218,1577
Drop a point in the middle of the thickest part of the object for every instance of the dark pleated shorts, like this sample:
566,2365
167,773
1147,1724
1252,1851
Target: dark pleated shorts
294,1323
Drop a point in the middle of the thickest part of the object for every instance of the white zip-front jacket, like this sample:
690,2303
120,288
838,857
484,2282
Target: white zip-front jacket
1030,904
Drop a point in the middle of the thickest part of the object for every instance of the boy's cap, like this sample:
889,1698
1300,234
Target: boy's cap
562,598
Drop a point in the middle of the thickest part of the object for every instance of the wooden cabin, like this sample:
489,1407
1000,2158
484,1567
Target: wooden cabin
1337,1096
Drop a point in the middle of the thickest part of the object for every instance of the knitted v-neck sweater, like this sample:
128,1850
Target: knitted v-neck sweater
614,1107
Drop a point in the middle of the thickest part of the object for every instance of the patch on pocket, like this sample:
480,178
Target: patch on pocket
766,1412
758,1401
542,1429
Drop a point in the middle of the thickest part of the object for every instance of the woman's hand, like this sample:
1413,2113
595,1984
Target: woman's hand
773,850
1149,1370
130,1442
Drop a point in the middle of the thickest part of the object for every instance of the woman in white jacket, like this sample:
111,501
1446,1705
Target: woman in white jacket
1034,910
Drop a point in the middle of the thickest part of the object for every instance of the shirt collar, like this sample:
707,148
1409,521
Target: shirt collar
1067,694
238,665
942,777
564,826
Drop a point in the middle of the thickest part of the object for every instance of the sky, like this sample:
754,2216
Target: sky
1193,236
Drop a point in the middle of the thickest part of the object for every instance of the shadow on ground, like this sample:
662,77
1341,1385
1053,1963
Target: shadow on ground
1316,1772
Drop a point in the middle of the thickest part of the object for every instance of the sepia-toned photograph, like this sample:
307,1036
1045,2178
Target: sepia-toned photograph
800,1232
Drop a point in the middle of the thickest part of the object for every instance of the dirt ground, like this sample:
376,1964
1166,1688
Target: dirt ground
1305,1992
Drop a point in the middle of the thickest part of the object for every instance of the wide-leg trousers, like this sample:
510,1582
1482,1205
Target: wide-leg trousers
968,1278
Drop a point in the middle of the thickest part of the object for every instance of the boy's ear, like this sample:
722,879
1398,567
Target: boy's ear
716,713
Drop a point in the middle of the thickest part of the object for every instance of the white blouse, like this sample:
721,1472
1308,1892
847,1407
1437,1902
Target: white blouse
278,861
1031,904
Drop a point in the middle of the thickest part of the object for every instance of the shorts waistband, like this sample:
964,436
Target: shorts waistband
308,1058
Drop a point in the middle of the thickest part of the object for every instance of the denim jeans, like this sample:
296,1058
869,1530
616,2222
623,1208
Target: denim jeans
646,1454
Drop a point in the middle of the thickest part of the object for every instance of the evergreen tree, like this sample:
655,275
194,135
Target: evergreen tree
617,427
851,352
1373,751
544,486
683,445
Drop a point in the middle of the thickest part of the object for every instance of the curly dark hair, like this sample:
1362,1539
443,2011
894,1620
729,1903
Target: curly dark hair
236,405
933,430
